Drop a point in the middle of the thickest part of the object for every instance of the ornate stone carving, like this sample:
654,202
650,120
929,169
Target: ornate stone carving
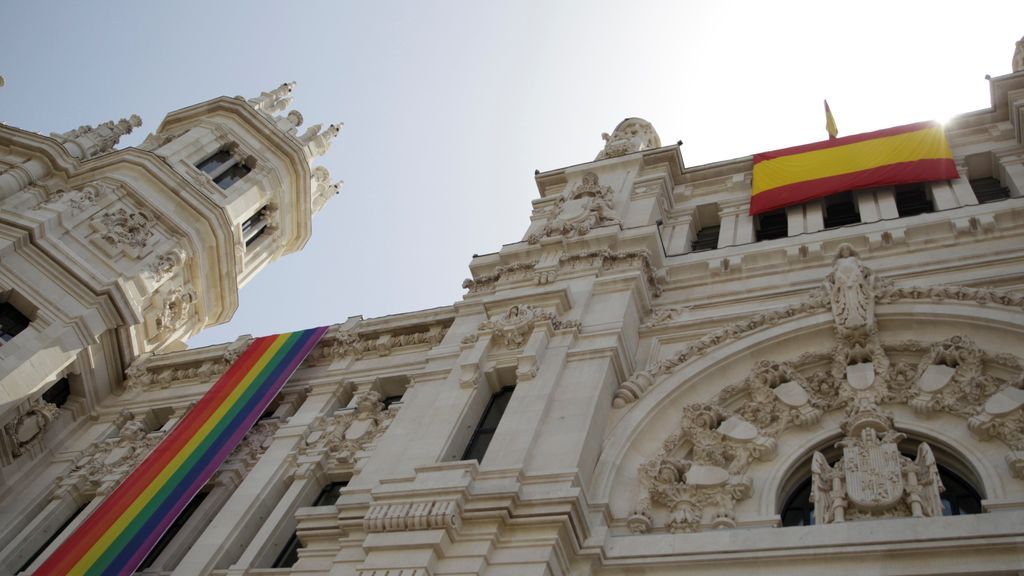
271,102
343,436
1018,56
142,375
873,480
851,289
28,428
177,308
75,200
588,206
164,265
514,326
631,135
253,444
404,516
342,344
949,378
87,142
103,464
665,315
608,260
128,230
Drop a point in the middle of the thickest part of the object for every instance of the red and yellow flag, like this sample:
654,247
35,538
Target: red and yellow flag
900,155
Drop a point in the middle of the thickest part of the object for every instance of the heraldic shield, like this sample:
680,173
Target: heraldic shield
874,477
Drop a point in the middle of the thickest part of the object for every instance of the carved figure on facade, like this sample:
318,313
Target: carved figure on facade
1018,56
631,135
103,464
29,426
514,326
126,229
851,288
164,265
342,437
75,200
253,444
177,308
873,479
588,206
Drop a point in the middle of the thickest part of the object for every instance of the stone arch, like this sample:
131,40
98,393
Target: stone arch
639,428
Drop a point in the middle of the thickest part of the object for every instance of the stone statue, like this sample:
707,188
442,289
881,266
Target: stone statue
850,286
631,135
1018,56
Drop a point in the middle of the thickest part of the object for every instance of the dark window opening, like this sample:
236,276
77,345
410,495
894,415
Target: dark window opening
173,530
289,555
59,393
989,190
329,494
388,401
214,161
254,226
912,200
52,537
707,238
12,321
959,498
840,210
488,425
772,225
229,177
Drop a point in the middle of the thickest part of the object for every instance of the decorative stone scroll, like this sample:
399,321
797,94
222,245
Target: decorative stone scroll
404,516
514,326
28,428
587,206
346,435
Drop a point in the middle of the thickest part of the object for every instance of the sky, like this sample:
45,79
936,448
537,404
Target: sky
450,106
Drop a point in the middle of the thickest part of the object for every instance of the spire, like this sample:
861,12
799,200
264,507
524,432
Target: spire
318,143
87,142
270,102
322,188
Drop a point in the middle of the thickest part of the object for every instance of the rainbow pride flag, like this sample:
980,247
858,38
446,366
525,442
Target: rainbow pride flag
122,530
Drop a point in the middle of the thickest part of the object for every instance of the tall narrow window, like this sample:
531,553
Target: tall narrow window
329,494
52,537
989,190
12,321
841,210
488,425
289,555
229,177
771,225
173,530
254,226
214,161
912,200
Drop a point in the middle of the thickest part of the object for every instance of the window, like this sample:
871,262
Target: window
229,177
52,537
173,530
59,393
989,190
389,400
840,210
959,498
488,425
707,239
913,199
289,555
329,494
254,226
771,225
214,161
12,321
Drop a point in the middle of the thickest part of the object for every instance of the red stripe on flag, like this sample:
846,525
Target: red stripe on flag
888,175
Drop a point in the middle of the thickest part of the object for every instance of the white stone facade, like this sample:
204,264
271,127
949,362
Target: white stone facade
675,397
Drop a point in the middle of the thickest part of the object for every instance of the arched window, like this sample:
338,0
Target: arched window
959,497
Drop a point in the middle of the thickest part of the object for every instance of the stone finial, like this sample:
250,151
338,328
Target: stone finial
323,189
2,81
270,102
631,135
87,141
318,143
1018,57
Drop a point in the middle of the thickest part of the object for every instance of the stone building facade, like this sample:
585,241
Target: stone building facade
650,382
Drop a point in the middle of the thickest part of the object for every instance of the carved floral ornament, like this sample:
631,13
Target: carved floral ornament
341,343
513,327
346,435
103,464
575,213
702,469
28,428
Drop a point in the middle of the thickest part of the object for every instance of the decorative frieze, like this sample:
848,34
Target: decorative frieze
513,327
360,345
404,516
346,435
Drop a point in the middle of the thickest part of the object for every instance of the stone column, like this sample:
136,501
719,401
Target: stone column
681,234
867,205
61,506
1012,172
737,226
16,178
68,507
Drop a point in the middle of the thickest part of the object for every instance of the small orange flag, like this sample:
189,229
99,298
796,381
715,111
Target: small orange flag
830,123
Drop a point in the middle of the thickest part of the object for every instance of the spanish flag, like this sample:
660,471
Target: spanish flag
900,155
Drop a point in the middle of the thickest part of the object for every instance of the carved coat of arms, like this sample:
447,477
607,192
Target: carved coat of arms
874,477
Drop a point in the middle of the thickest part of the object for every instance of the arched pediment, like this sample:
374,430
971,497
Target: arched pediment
716,428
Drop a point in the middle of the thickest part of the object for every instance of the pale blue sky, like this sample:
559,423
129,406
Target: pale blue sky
450,106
